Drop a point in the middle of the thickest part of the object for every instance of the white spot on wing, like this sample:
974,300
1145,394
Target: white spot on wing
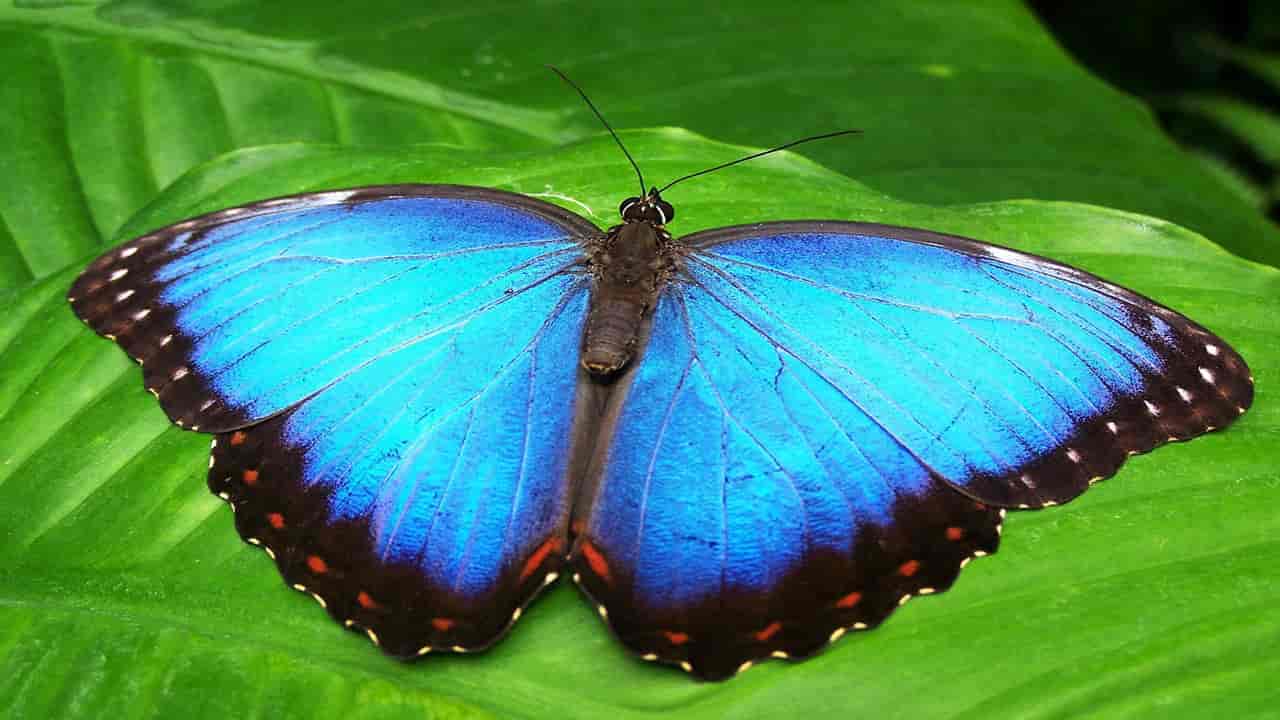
1211,349
128,252
1207,374
1151,409
1186,396
124,296
336,196
1005,254
118,274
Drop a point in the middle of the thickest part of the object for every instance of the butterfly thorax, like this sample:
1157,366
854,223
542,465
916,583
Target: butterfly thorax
628,266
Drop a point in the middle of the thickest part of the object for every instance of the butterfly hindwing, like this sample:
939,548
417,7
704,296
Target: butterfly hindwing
740,512
401,446
827,416
424,498
239,314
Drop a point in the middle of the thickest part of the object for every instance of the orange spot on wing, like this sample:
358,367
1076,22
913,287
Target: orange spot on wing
768,631
908,568
577,527
442,623
538,556
250,477
980,506
317,564
365,601
849,600
954,533
675,637
595,560
276,520
237,438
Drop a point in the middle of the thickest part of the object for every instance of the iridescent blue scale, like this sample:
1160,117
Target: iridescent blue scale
817,419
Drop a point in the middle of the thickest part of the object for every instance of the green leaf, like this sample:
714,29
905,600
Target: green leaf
105,103
127,591
1256,128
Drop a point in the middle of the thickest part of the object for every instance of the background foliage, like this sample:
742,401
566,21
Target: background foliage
1211,72
123,588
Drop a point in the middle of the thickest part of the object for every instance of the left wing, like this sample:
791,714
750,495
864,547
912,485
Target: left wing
827,416
241,313
390,371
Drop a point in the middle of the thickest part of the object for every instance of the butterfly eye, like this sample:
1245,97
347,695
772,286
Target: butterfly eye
630,209
668,212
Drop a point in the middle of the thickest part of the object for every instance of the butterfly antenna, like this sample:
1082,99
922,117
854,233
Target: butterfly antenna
604,122
762,153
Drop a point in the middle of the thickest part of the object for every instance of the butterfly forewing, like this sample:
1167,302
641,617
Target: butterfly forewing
240,314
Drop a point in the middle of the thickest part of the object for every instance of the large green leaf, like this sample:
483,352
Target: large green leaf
126,589
961,102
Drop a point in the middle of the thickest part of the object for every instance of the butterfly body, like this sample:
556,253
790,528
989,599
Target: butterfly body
628,265
772,433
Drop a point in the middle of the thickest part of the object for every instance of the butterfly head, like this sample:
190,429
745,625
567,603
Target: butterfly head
651,209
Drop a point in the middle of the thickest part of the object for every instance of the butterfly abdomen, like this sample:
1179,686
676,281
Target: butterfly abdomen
628,266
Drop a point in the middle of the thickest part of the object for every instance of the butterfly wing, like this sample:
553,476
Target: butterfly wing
240,314
827,416
391,373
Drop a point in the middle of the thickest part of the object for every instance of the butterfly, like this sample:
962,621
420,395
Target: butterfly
429,402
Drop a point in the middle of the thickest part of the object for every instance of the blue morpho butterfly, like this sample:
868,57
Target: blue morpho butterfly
430,401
